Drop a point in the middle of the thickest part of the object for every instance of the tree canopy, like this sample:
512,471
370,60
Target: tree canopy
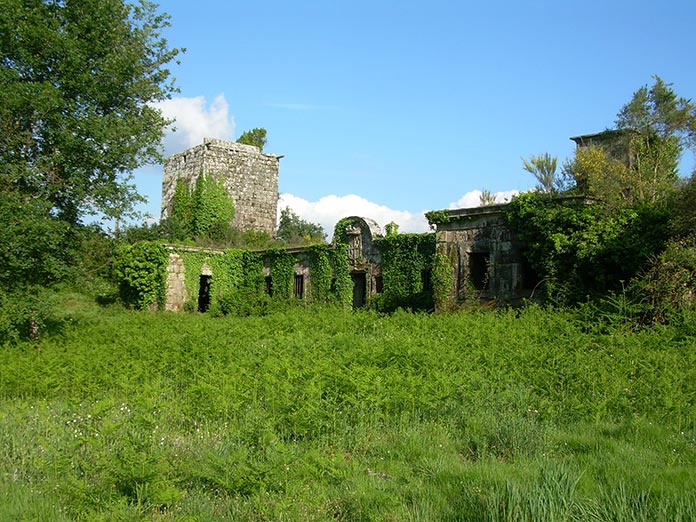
255,137
637,162
296,231
543,168
77,83
658,111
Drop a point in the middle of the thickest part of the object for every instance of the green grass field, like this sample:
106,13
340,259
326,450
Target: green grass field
321,414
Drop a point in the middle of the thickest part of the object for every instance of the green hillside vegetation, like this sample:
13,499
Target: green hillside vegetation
323,414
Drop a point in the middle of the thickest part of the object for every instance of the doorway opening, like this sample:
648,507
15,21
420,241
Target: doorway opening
204,293
479,264
359,289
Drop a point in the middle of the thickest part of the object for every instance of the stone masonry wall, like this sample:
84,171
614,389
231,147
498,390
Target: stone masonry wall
176,284
485,233
250,177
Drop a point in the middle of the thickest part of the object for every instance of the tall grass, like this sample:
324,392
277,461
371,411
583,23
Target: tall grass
327,415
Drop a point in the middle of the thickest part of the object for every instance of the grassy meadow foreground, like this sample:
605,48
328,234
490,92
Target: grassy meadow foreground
323,414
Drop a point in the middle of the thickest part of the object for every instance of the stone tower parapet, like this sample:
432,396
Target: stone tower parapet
250,177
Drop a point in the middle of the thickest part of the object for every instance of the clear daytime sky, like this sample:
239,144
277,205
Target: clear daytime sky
387,109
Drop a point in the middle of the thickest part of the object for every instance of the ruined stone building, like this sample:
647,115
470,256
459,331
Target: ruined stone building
485,259
364,260
250,177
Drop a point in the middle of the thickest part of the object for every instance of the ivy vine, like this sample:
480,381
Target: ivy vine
342,282
407,263
282,273
141,272
435,217
442,280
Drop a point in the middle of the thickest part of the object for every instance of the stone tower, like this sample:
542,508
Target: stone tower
250,177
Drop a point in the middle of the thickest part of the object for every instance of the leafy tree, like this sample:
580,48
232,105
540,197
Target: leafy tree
543,168
598,173
659,126
255,137
641,155
35,248
77,80
658,112
295,231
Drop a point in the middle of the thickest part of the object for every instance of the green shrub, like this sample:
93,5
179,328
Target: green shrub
407,272
140,270
667,291
24,314
581,249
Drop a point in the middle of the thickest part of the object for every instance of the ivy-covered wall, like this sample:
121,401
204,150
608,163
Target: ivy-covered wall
407,272
582,248
243,282
238,282
141,272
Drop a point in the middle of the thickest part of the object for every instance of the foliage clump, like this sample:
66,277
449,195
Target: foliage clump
295,231
204,210
255,137
667,289
407,269
579,248
141,272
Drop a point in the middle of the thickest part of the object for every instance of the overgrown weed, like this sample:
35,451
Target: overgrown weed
324,414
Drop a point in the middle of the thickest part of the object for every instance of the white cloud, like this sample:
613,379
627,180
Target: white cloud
194,121
330,209
473,198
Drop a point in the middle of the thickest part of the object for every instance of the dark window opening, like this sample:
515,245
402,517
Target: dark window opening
530,279
204,293
299,286
427,279
269,285
479,263
359,289
379,284
333,285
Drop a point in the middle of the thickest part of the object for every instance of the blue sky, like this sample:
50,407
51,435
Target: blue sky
390,108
